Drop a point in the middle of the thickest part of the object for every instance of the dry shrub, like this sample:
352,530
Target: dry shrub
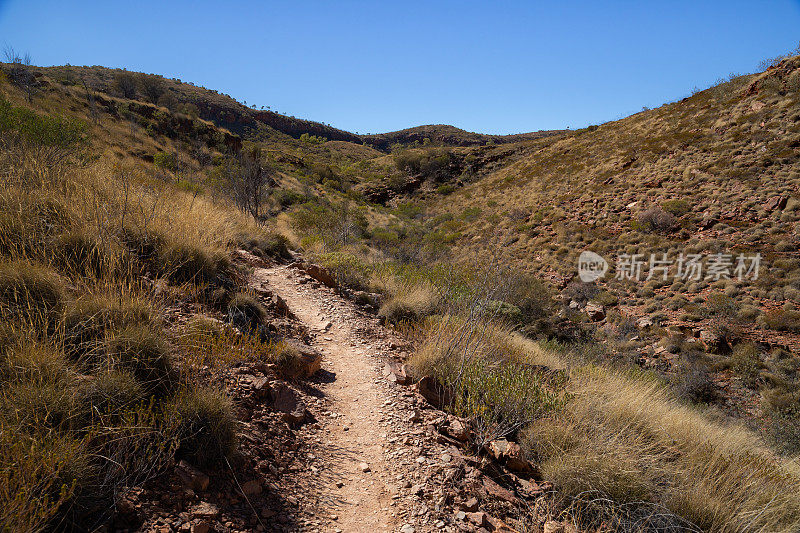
657,220
488,377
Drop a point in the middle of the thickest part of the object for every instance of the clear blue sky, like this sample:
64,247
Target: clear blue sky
494,67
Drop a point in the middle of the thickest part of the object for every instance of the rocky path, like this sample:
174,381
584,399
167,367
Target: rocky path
356,488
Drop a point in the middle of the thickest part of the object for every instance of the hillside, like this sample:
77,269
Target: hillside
445,135
717,172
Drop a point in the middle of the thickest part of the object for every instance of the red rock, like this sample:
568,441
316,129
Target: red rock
192,477
288,402
496,491
320,274
776,203
310,359
396,373
204,510
480,519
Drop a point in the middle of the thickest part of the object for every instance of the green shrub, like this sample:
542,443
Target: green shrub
46,130
38,478
166,161
678,207
205,426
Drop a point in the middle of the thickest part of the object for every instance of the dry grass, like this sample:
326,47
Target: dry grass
627,439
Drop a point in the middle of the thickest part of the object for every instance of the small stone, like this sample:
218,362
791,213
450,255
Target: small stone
251,488
407,528
480,519
205,510
364,467
461,515
203,526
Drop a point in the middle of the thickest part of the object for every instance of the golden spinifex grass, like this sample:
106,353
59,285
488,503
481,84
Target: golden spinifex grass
98,393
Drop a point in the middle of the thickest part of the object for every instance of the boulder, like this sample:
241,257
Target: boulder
310,360
496,491
510,454
458,429
433,391
251,488
595,311
479,518
776,203
714,343
204,510
644,322
320,274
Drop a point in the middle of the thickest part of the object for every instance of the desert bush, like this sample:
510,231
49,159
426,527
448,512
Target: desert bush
166,161
694,383
270,244
38,478
205,426
655,219
487,375
347,268
678,207
782,320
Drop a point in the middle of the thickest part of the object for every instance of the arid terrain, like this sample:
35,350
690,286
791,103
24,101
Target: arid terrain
217,318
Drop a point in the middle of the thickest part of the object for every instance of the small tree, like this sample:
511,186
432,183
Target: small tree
125,85
152,87
20,73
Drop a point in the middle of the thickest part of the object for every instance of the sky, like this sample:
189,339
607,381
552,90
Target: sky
493,67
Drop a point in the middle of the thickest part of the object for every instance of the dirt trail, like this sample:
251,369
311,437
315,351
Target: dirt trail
353,439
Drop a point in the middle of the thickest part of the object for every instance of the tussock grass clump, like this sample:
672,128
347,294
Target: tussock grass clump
271,244
145,353
184,263
87,319
407,300
246,312
205,426
82,254
111,393
30,293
